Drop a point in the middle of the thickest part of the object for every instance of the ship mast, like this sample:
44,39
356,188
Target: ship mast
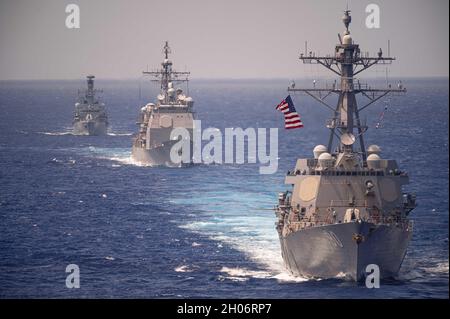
167,75
347,62
87,96
90,89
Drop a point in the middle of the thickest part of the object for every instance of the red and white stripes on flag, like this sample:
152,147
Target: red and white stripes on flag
291,117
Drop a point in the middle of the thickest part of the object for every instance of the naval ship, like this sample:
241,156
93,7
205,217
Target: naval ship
173,109
90,116
346,209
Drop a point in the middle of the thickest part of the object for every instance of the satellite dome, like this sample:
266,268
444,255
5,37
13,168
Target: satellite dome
319,149
347,18
373,161
347,39
325,156
373,149
325,160
171,91
373,157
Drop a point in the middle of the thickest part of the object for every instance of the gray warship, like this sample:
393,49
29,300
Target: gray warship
346,209
90,116
152,144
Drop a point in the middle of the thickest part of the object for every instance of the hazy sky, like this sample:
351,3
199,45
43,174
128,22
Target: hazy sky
212,38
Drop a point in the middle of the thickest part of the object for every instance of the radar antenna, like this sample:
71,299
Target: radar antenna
167,75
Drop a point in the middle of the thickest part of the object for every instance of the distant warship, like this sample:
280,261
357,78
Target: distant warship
90,114
172,109
346,209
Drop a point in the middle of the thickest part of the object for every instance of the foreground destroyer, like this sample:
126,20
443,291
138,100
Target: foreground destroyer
173,109
346,209
90,114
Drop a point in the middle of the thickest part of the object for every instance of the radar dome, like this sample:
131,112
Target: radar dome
373,157
347,18
373,161
325,160
347,39
171,92
325,156
319,149
373,149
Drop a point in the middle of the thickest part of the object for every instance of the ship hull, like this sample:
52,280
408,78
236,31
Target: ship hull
90,128
333,250
156,156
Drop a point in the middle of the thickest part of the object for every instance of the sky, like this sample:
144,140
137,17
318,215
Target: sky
118,39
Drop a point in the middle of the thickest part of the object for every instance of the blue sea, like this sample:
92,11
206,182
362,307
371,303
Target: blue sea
205,231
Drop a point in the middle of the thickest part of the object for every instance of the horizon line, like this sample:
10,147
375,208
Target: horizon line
231,78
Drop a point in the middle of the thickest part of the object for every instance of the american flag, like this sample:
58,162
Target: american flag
291,117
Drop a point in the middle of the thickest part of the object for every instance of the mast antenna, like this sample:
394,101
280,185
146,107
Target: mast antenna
389,47
167,50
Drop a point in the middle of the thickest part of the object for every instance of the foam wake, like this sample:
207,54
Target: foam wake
119,134
120,156
231,218
243,274
56,133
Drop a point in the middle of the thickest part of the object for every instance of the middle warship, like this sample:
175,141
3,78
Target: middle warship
346,209
173,109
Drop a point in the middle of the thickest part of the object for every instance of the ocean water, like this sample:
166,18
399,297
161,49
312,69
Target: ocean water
199,232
